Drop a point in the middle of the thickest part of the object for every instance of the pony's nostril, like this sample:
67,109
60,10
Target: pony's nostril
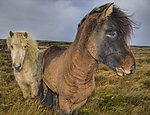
124,74
13,65
17,67
132,68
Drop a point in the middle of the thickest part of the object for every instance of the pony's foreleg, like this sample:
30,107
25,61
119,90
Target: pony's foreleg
76,112
25,90
62,112
34,89
76,107
65,106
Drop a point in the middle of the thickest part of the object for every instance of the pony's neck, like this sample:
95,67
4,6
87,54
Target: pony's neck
82,63
30,60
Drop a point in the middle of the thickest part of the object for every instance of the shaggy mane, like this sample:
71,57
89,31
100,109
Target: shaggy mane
32,47
122,21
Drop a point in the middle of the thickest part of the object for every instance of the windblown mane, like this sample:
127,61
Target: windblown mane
122,21
32,47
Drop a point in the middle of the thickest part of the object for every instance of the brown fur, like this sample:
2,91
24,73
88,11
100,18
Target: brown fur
69,73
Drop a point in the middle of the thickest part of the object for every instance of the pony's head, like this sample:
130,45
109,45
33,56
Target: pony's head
22,47
106,30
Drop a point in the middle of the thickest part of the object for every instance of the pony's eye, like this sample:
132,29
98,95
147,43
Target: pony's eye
111,34
25,47
11,46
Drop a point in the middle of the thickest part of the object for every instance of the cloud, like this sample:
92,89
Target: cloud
58,19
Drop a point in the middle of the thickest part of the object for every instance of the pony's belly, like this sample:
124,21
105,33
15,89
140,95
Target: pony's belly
50,80
50,84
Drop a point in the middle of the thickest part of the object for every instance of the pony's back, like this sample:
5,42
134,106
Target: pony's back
51,53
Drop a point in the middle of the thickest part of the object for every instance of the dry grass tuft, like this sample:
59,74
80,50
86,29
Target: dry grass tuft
113,95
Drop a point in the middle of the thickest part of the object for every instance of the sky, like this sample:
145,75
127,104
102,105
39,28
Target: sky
57,20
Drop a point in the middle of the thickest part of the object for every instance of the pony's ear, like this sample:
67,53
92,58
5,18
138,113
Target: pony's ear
26,35
108,10
11,34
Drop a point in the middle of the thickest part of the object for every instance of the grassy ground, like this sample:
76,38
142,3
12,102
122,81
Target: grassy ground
113,95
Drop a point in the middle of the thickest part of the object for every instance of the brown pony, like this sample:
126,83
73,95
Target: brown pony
102,37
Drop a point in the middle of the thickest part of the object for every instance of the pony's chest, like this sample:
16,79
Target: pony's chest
84,92
79,92
26,76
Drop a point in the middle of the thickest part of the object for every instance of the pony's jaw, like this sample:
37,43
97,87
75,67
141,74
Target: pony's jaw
122,66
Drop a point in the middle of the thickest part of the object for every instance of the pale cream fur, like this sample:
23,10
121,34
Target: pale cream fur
30,76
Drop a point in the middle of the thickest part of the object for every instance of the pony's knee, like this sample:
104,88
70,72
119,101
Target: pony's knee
76,112
76,107
25,90
26,93
63,112
34,89
65,107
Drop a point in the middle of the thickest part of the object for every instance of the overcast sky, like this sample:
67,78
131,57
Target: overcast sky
57,20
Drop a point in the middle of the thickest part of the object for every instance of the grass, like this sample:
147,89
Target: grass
113,95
